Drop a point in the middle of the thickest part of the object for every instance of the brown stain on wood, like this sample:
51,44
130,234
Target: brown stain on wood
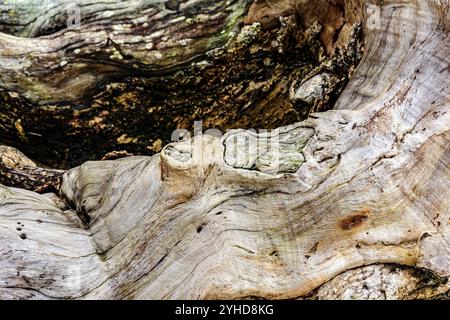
314,248
355,220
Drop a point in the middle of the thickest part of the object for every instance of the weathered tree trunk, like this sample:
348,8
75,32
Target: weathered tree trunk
349,203
72,94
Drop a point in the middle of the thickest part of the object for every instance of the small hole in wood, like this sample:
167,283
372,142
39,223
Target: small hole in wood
200,227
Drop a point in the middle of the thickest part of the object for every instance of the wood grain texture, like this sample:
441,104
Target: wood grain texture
352,190
113,37
128,75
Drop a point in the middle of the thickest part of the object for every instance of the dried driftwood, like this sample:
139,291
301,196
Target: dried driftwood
349,203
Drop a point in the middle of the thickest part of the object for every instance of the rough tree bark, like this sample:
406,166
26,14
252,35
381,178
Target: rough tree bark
349,203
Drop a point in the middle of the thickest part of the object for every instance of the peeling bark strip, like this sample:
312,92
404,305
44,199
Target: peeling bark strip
369,189
133,73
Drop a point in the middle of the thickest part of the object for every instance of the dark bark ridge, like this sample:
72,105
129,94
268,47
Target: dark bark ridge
16,170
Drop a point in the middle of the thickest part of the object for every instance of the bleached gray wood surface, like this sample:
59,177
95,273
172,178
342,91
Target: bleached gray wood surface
365,184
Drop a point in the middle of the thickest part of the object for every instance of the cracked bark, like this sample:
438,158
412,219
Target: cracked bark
356,205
